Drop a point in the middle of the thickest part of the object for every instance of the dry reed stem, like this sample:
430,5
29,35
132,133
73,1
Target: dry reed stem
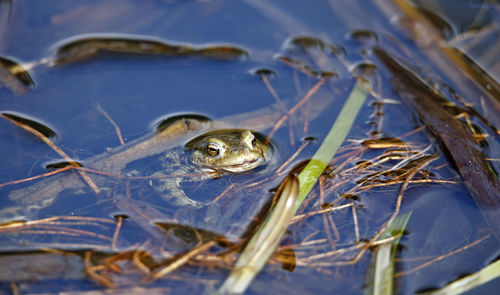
306,98
274,94
297,152
297,218
373,241
139,264
223,193
375,185
14,288
91,272
399,200
280,105
69,231
117,231
181,260
37,176
49,220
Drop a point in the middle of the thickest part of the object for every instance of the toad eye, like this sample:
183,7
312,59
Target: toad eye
213,149
254,141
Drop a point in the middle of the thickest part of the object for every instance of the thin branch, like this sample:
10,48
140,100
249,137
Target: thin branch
117,128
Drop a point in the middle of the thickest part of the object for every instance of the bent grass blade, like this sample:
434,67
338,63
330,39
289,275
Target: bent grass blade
267,237
381,281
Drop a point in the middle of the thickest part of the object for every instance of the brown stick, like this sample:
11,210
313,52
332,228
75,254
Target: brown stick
182,260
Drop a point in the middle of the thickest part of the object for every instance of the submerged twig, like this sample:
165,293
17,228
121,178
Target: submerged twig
181,260
426,264
297,152
37,176
117,231
471,281
306,97
280,104
117,128
91,272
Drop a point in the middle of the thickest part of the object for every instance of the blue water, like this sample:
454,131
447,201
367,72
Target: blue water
137,91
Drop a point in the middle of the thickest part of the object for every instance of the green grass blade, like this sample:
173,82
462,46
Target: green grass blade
470,282
382,281
267,237
309,176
